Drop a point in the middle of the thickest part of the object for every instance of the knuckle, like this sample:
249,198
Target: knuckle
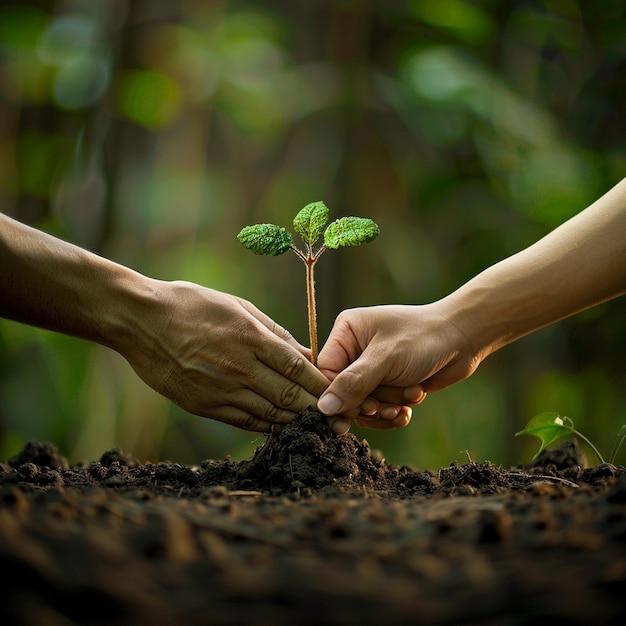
289,395
294,367
344,316
271,413
281,332
249,422
351,379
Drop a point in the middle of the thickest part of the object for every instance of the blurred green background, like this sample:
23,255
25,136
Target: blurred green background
152,131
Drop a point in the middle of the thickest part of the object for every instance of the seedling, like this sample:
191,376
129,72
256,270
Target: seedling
551,427
310,223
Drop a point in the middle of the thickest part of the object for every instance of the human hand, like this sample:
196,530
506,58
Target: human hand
218,356
395,354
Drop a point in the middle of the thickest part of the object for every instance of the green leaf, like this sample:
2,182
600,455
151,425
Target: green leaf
350,231
548,427
311,222
265,239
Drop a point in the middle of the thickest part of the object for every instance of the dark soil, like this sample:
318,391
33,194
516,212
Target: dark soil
313,529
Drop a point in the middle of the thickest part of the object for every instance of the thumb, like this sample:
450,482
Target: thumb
350,387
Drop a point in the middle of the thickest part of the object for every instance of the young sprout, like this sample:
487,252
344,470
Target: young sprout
310,223
551,427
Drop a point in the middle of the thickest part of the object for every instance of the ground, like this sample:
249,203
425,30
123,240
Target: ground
313,529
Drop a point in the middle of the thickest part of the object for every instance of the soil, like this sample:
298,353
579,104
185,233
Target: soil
312,529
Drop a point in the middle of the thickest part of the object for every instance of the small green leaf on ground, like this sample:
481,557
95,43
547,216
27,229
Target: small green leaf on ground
549,428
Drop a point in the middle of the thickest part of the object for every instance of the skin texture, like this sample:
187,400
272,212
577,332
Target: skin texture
213,354
399,353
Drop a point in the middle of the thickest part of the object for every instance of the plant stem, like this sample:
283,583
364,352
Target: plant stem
579,434
621,435
310,290
310,259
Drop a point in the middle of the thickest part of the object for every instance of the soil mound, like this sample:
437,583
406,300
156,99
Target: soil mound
305,457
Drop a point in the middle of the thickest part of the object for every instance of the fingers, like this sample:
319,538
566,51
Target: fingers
283,372
400,395
282,354
249,411
281,392
340,425
350,387
386,402
255,418
401,419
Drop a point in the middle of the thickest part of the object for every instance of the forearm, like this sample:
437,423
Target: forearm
52,284
578,265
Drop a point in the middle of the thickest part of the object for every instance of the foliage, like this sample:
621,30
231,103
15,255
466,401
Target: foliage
310,223
551,427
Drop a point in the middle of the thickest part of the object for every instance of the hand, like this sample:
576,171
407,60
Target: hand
395,354
218,356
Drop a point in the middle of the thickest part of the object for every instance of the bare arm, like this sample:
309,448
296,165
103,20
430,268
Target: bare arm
212,353
394,352
578,265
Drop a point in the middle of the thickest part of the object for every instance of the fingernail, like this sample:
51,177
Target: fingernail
369,406
329,404
340,426
404,418
389,413
414,394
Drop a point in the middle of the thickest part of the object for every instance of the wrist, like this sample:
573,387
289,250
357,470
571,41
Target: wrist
482,323
124,306
498,307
